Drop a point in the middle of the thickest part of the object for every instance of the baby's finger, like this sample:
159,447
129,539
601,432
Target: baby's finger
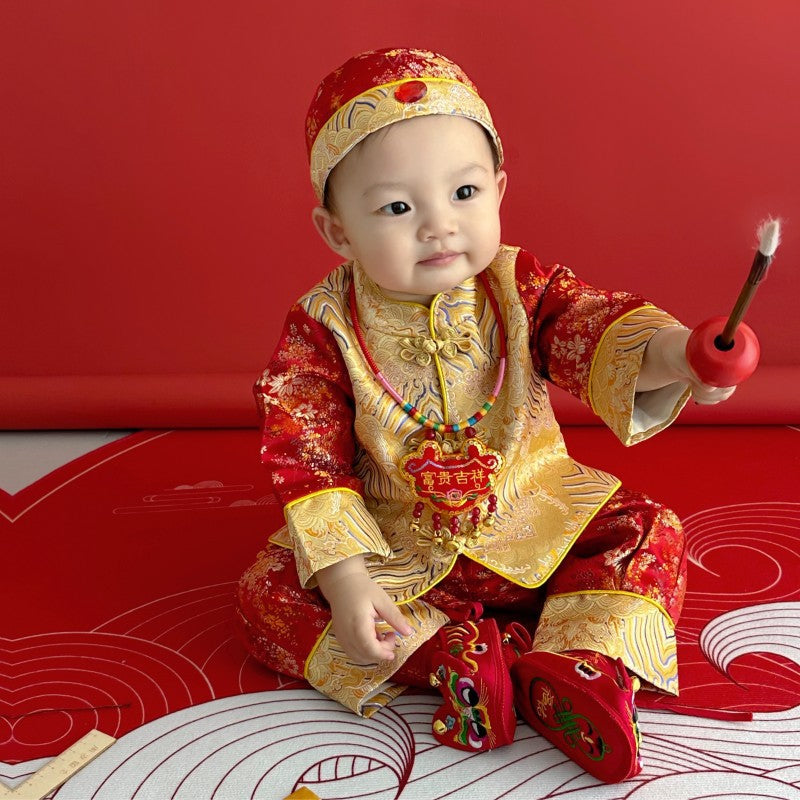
393,616
709,395
389,641
374,652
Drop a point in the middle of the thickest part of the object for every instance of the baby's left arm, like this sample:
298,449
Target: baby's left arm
665,362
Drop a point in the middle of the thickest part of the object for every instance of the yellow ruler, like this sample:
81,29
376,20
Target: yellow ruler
61,768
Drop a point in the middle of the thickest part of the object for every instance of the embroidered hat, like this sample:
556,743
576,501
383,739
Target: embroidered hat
381,87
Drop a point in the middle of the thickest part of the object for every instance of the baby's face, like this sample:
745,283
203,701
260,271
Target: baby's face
418,205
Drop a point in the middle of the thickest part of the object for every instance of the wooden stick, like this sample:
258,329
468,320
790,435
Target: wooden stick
769,239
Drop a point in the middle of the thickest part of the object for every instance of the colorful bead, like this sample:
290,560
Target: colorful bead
470,432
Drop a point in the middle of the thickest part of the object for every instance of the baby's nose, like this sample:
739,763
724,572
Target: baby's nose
438,223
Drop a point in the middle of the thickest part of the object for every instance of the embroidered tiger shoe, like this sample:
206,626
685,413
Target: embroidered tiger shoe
469,669
583,703
516,640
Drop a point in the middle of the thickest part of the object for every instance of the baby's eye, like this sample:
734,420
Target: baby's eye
395,209
465,192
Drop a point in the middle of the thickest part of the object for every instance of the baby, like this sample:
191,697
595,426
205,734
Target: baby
410,439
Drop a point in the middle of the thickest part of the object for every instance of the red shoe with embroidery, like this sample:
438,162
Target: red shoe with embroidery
469,668
582,702
516,641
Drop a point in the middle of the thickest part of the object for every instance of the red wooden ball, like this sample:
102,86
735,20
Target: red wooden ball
718,367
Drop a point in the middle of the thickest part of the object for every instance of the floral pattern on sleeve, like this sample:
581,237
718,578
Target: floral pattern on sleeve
306,401
568,319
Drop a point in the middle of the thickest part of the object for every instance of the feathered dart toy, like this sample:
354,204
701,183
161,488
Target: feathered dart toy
725,352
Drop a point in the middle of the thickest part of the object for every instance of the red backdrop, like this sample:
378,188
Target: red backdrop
155,203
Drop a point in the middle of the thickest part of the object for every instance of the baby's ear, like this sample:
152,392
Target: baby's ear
502,182
330,229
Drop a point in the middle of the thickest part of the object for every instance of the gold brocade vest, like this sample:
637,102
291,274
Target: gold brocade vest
444,359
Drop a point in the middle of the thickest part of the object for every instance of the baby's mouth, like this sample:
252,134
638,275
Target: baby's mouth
440,259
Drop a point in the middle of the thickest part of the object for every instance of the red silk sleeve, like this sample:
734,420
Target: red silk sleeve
306,400
567,319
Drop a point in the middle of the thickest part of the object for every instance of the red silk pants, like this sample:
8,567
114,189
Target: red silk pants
632,545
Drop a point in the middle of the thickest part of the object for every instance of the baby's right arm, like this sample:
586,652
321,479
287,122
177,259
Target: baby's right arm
357,603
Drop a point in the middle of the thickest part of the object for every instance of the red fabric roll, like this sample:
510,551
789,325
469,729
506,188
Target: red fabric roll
225,400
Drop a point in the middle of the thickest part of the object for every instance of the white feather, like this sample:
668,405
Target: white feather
769,236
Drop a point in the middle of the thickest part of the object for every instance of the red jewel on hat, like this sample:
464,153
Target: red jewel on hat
410,91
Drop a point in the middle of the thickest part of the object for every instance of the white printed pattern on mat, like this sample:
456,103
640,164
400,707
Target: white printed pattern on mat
265,745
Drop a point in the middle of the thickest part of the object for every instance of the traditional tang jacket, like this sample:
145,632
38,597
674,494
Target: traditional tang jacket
334,438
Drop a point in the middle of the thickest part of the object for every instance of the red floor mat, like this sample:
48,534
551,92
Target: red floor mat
120,568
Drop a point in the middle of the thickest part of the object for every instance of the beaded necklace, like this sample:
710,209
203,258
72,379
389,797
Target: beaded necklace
453,482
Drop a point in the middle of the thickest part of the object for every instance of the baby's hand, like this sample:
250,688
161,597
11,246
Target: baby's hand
357,605
705,394
356,610
665,362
